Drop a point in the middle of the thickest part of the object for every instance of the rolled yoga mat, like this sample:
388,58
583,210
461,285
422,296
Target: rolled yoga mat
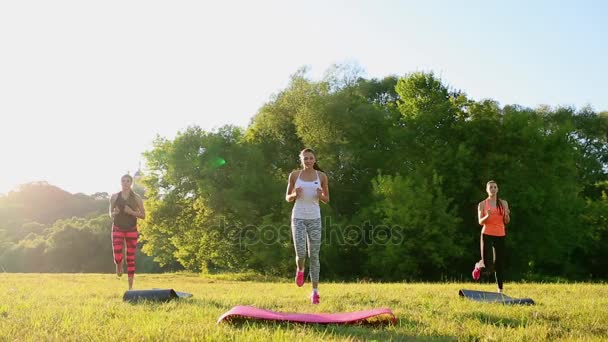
157,295
367,316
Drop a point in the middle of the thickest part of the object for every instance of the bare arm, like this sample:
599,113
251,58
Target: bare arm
113,210
290,194
507,212
324,194
481,217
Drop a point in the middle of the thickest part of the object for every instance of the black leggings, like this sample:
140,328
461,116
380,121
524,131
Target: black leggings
494,263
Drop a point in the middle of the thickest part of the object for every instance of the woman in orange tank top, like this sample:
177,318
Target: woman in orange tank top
493,214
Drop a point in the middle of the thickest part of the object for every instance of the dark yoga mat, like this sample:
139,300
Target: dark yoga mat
493,297
157,295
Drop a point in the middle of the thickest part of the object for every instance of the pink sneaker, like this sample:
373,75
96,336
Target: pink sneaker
300,278
476,272
314,297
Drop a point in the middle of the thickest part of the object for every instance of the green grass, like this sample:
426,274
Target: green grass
89,307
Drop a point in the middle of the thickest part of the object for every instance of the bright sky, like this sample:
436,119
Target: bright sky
85,86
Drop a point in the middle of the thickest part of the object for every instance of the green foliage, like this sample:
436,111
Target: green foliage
595,216
407,157
46,229
406,154
199,208
415,229
69,245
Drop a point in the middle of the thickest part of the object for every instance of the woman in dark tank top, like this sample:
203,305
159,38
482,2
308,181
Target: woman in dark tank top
123,220
125,208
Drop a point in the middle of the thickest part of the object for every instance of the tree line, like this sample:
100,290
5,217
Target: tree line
407,160
46,229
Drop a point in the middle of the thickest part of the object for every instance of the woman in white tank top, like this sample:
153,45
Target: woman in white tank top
307,187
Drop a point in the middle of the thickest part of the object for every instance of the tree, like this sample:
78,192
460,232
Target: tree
415,231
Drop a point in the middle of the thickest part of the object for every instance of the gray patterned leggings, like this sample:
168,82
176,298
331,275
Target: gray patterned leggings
303,231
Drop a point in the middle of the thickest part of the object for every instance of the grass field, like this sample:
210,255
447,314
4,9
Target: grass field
89,307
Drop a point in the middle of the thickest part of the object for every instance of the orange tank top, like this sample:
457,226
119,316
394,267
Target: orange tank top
495,224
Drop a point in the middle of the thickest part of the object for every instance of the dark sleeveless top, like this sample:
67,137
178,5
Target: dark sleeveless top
123,220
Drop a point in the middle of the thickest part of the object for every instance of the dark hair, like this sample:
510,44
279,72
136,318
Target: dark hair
310,150
498,204
131,193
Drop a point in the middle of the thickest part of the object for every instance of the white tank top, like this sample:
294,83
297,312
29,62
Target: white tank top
307,206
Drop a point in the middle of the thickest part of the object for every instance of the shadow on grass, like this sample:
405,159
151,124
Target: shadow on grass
167,303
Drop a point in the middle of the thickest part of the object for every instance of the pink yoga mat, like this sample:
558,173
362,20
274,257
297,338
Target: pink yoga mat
250,312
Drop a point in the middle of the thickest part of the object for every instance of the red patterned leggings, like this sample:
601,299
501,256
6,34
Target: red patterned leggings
119,237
